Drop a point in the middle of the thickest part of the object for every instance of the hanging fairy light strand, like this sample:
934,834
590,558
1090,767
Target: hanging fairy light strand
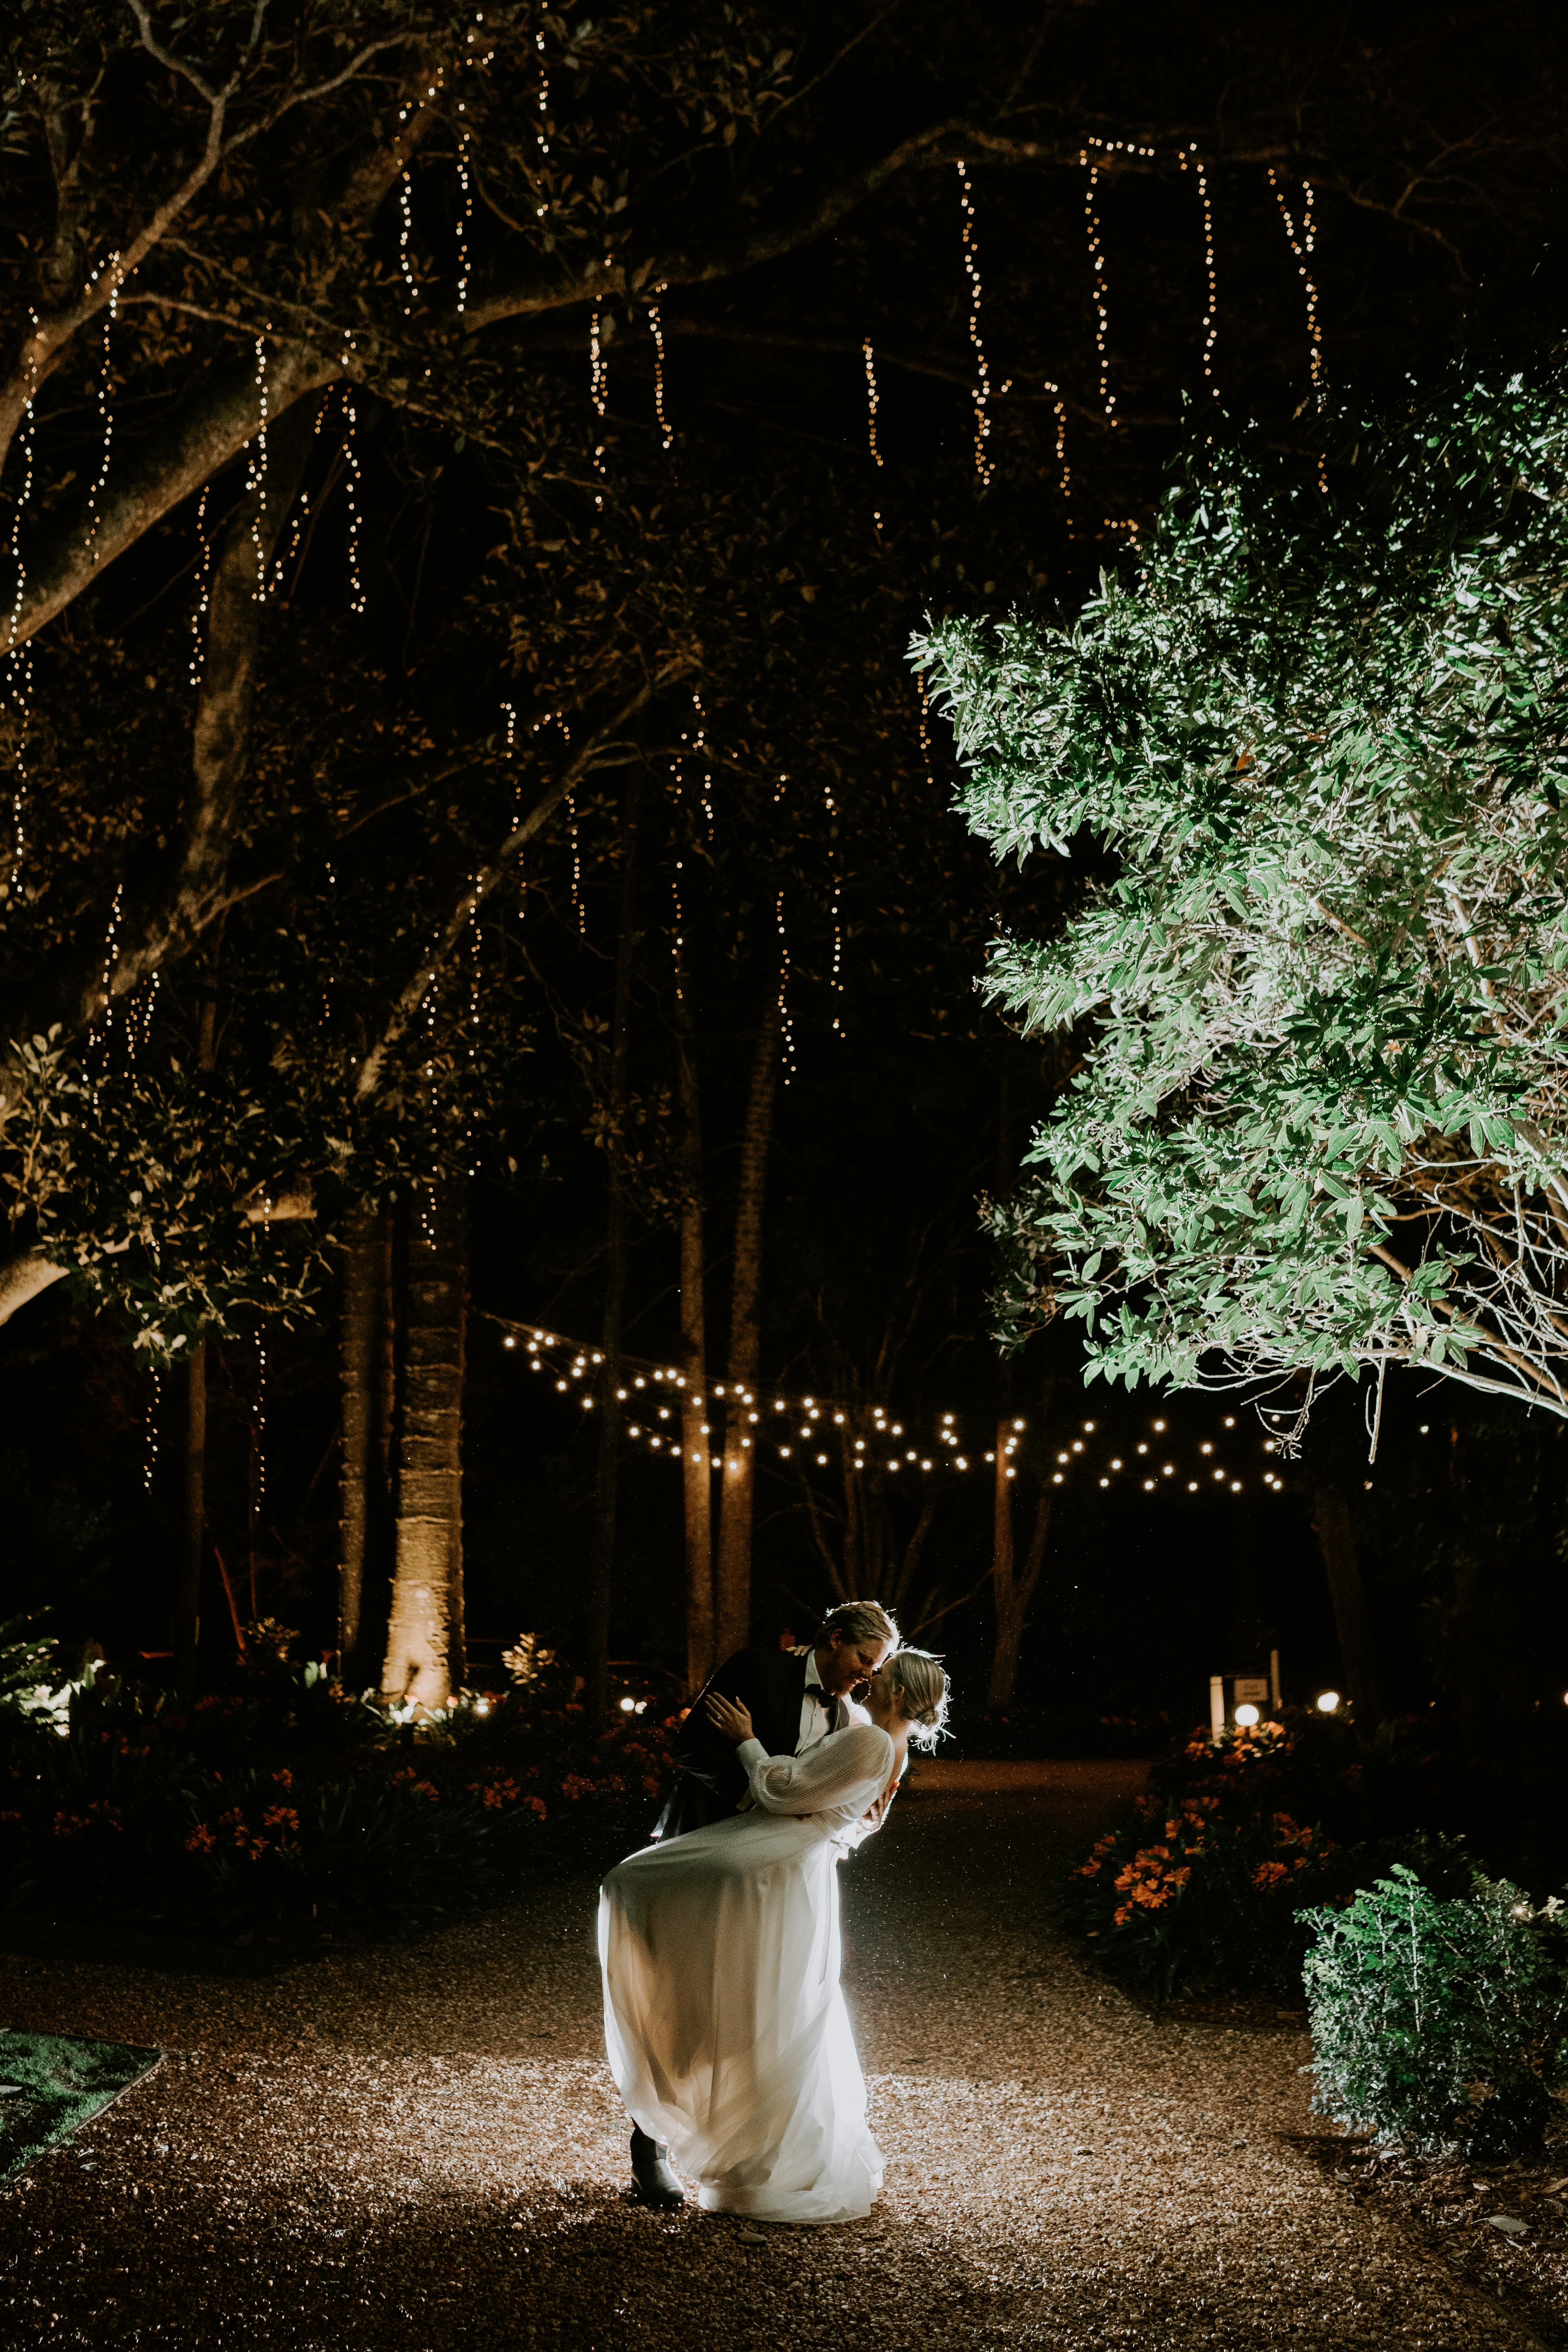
804,1428
354,485
699,746
983,468
1211,296
19,657
465,217
1065,480
599,394
1301,247
105,398
1101,291
872,401
836,975
405,261
657,331
150,1431
256,476
260,1422
786,1017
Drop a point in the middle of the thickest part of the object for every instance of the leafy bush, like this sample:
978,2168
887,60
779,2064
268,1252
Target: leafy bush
1439,2026
288,1800
1202,1879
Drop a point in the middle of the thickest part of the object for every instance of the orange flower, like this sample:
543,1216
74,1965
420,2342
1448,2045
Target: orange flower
201,1840
1269,1873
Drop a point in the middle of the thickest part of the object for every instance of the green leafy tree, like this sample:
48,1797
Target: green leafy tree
1310,758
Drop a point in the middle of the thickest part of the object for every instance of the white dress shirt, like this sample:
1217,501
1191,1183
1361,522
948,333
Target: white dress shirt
815,1709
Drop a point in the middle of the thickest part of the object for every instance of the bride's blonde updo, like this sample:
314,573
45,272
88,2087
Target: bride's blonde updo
921,1686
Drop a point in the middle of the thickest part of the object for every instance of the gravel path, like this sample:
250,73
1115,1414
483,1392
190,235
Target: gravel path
422,2148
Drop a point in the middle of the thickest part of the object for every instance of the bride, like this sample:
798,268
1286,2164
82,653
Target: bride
727,2032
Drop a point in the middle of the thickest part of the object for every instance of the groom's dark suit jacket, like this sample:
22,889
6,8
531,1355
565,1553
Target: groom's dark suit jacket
770,1683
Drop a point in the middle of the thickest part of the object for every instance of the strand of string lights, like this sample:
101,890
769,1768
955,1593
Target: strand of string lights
111,958
465,215
786,1018
542,119
700,747
352,482
924,692
1211,329
150,1430
474,977
1301,247
802,1427
836,975
983,468
256,475
405,262
105,403
19,657
1097,262
657,331
285,557
872,401
599,394
260,1422
1064,483
203,593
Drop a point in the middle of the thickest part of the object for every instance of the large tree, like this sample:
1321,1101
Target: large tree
1312,754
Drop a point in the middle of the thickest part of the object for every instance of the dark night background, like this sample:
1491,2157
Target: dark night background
1434,138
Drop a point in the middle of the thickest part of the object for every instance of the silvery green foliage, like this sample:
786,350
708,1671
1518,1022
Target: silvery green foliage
1321,1118
1438,2025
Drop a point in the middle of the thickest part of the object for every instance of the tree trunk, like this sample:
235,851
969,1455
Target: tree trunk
606,1494
1353,1619
425,1651
732,1583
1013,1595
368,1393
697,1479
187,1611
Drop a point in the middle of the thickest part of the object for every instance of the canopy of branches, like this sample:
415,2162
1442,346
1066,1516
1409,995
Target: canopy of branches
1319,978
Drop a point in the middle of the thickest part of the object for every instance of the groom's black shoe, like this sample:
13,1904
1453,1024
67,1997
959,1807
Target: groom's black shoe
655,2183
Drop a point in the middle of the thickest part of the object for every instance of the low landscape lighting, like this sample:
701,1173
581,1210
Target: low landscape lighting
628,1706
1246,1716
1328,1701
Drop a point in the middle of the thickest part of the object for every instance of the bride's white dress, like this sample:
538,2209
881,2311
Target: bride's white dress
726,2029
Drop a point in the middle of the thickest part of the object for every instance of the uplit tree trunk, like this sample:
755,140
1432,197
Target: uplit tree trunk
697,1479
367,1375
607,1488
1353,1619
424,1640
733,1581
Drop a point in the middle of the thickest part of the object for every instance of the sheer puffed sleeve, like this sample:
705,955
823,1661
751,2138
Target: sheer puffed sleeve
848,1768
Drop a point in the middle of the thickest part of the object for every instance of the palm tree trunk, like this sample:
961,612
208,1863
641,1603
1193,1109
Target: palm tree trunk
366,1366
425,1651
697,1479
733,1594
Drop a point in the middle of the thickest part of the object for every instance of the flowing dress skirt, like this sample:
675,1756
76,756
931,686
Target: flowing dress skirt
726,2028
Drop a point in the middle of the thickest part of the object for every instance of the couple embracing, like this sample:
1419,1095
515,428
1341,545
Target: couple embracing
726,2028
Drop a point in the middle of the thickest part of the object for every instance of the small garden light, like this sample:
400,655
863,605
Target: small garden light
1328,1701
628,1706
1246,1716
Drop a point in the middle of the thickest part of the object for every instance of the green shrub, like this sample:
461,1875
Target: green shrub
1439,2026
289,1801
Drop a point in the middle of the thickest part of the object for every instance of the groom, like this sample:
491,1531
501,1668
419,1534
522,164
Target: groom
795,1697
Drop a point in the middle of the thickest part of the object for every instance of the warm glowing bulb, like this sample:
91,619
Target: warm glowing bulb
628,1706
1246,1716
1328,1701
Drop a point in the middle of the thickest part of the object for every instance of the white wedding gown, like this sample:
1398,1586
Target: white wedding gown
726,2029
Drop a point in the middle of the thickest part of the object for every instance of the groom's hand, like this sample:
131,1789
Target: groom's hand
728,1718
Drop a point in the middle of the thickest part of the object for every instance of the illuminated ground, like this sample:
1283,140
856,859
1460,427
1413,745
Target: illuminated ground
422,2148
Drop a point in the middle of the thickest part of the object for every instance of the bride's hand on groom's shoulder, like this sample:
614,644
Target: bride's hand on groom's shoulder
728,1718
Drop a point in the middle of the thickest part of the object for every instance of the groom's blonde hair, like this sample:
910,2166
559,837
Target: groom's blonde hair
859,1621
